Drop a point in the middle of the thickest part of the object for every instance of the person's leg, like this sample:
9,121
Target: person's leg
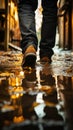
48,30
26,13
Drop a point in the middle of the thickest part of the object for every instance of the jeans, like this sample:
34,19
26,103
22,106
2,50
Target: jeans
26,13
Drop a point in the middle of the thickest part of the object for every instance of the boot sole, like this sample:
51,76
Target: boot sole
29,60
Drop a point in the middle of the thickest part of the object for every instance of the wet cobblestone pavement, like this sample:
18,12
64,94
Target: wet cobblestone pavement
40,98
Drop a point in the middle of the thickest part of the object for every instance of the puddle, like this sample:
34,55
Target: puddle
39,98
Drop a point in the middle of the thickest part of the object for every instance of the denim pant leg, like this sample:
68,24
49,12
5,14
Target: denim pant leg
48,30
26,13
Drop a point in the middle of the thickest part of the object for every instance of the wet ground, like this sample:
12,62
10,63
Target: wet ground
40,98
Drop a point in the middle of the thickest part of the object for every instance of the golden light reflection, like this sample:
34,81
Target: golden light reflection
17,79
12,5
16,14
57,87
14,81
22,74
18,119
16,92
47,89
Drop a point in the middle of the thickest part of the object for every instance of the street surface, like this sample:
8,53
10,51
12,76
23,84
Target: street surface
39,98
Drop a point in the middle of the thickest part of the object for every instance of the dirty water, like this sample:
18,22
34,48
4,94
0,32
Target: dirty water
40,98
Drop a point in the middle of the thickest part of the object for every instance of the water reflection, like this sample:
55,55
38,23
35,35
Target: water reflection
37,95
41,97
65,90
